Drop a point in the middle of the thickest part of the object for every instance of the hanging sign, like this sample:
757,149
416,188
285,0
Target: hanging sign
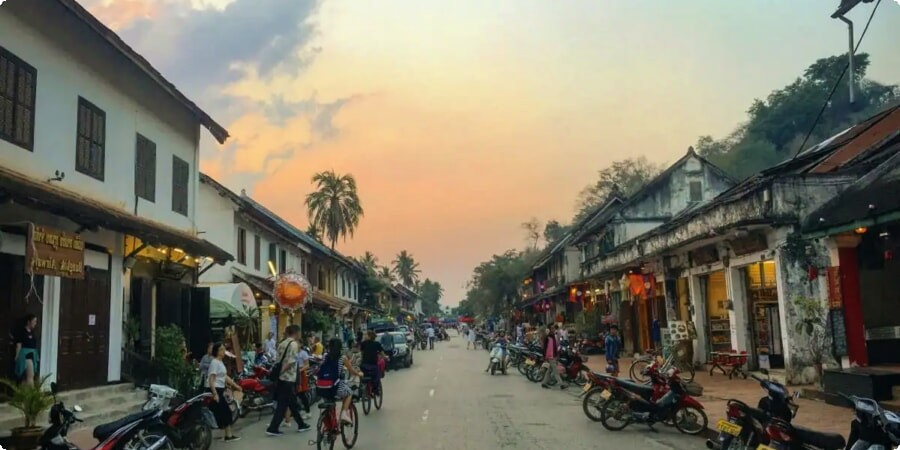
54,253
835,299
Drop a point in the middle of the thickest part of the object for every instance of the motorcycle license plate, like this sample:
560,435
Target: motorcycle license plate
764,447
529,362
728,428
587,387
606,394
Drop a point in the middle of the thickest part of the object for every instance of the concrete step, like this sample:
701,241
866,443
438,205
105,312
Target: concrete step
100,405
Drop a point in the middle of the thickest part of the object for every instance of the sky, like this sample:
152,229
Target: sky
462,119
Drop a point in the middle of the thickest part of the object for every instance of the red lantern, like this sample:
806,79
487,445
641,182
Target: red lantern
292,290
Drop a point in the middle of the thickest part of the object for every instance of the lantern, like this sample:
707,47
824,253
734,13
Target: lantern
292,290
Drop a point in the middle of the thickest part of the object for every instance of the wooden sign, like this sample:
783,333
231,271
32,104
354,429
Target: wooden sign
835,299
705,255
754,242
54,253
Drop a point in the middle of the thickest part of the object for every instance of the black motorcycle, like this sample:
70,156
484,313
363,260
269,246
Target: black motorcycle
872,427
128,432
746,424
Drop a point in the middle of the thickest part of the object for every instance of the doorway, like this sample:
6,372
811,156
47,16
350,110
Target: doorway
17,299
84,330
765,317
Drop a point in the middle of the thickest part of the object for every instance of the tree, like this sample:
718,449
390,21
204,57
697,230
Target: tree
334,206
494,286
406,269
314,232
385,274
430,293
778,125
627,176
554,232
532,229
370,262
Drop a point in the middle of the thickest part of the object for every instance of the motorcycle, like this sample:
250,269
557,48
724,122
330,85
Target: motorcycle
498,359
872,427
747,424
592,346
624,407
258,392
190,424
574,370
783,436
160,397
598,390
117,435
594,394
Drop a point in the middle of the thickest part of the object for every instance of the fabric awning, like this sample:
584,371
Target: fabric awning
230,300
328,300
264,285
91,213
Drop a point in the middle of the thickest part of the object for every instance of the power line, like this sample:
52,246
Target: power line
836,83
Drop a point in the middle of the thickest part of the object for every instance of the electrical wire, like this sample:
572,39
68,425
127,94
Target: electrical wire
836,83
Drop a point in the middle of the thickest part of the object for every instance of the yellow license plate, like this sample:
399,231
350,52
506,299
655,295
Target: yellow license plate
606,394
764,447
587,387
728,427
529,362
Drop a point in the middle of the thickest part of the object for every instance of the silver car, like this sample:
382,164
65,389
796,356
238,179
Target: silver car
401,355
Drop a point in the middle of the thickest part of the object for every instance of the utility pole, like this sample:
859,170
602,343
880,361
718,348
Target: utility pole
844,8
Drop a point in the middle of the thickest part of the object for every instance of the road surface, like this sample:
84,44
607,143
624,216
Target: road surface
446,401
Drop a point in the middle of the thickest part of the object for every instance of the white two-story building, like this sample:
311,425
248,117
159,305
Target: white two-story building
98,188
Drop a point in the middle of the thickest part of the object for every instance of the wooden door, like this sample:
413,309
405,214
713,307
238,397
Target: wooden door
17,298
84,330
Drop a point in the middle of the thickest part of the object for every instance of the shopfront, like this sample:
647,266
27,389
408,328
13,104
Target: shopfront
764,313
714,292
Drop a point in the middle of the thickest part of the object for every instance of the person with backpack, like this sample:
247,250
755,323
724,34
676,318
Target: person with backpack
331,382
284,373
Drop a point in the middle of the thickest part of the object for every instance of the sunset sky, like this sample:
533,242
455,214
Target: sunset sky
461,119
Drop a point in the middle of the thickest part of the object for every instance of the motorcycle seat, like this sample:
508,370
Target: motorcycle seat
827,441
642,389
101,432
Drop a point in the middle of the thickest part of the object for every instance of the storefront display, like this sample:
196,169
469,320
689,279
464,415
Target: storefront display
718,324
765,319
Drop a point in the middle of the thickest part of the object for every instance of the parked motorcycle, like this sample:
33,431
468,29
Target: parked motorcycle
498,359
160,397
259,393
190,424
783,436
872,427
594,394
600,390
624,407
745,426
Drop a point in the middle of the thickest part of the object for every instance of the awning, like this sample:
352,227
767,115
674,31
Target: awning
230,300
264,285
90,213
328,300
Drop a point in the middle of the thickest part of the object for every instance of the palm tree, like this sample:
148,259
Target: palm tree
385,273
369,261
314,232
334,206
407,269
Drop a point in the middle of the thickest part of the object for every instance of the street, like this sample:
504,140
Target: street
446,401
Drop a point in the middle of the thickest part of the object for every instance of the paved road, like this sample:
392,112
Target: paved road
446,401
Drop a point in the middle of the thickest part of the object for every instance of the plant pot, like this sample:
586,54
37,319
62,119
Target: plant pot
26,438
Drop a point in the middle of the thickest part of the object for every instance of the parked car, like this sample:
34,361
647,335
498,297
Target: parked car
402,354
410,337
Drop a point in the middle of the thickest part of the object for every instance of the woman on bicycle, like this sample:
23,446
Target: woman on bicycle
332,377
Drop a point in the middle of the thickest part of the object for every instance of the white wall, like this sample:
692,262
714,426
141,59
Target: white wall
61,79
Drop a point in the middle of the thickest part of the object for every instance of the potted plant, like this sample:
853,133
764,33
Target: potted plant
31,400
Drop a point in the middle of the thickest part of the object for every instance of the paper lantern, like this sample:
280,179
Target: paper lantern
292,290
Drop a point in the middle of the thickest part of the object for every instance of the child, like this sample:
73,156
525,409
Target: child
613,345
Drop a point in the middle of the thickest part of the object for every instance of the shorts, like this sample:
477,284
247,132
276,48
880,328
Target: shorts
339,391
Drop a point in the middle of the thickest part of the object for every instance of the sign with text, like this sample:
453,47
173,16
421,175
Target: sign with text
835,298
54,252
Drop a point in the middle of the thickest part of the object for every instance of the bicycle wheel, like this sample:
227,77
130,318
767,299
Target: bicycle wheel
379,397
349,436
636,371
366,399
324,440
687,370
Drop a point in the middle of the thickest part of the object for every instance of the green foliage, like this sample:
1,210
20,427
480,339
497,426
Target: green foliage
30,400
495,284
811,316
334,207
369,261
314,321
628,176
554,231
131,330
406,269
777,125
248,327
430,293
170,358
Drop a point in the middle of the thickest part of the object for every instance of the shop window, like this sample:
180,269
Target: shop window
181,175
18,88
242,246
90,147
145,169
716,312
282,262
257,249
273,254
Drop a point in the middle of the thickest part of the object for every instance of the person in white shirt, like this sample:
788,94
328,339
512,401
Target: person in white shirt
271,351
430,333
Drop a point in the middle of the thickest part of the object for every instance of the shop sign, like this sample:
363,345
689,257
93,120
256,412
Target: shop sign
835,299
705,255
755,242
55,253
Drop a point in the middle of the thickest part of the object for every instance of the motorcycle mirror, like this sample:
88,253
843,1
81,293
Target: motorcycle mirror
77,408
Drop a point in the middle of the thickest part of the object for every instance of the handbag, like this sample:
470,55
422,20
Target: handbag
275,372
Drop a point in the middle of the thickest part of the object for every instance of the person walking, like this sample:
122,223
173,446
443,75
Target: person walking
217,380
551,351
613,346
303,358
285,389
271,349
470,338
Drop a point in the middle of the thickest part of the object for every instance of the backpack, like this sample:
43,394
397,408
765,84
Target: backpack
275,372
329,373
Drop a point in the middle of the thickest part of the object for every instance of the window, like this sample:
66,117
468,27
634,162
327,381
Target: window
90,148
242,246
256,252
696,189
282,261
181,176
18,85
145,169
273,254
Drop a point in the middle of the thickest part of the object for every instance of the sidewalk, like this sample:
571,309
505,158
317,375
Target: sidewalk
718,389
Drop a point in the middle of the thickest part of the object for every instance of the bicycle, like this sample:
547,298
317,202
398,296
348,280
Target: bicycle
330,425
371,394
636,371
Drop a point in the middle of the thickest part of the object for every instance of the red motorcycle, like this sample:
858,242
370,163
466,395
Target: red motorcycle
573,368
598,390
625,406
259,393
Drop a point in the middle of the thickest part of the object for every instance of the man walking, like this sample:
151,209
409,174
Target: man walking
271,347
551,349
285,395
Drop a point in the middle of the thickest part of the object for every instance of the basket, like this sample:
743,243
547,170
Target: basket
693,389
